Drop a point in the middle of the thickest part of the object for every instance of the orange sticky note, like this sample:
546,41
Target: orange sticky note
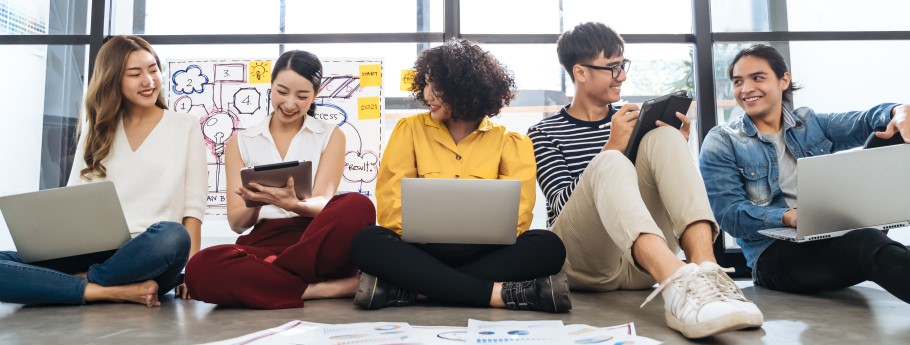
370,75
407,79
368,108
260,72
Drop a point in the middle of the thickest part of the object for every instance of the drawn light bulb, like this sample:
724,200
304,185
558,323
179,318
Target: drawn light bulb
217,129
258,71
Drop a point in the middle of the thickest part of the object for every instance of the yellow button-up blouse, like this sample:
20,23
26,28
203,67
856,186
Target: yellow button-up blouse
422,147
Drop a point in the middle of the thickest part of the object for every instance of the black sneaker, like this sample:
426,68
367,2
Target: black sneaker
373,293
549,294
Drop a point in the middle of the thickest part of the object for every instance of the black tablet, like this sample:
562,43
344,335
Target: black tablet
662,108
276,175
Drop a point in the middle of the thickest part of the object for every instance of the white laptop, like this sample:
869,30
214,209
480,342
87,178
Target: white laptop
845,191
66,229
436,210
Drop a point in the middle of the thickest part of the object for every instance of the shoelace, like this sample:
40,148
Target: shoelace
700,286
403,297
515,295
725,284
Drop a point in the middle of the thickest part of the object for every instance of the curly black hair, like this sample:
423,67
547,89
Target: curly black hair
470,80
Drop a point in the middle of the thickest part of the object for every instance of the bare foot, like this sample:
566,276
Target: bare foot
336,288
142,293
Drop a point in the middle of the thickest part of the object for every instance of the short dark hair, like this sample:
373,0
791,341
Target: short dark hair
774,59
305,64
470,80
585,42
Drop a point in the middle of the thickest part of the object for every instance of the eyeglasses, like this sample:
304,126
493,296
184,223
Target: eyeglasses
623,66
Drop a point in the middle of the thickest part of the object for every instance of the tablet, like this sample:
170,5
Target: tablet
276,175
662,108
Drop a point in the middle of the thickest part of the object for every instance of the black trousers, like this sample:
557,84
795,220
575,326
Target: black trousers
837,263
456,273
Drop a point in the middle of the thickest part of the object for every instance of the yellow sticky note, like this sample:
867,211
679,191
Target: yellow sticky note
370,75
368,108
260,72
407,79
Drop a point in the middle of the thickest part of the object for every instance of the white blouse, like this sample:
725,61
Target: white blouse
257,147
165,179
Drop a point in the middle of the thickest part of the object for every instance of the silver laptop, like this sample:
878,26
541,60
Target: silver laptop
66,229
435,210
845,191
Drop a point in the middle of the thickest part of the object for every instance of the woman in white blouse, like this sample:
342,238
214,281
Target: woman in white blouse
156,160
298,249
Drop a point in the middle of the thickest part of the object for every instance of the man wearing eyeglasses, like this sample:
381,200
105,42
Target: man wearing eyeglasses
623,223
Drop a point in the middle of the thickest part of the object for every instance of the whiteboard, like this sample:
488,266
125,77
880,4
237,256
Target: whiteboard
228,95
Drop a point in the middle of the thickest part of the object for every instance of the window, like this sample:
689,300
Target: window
808,15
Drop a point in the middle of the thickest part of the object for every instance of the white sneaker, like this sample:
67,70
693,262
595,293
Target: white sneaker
730,290
701,301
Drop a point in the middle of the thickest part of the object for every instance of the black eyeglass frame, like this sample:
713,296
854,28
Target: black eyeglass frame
614,70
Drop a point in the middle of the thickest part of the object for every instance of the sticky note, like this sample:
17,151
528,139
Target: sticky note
368,108
370,75
260,72
407,79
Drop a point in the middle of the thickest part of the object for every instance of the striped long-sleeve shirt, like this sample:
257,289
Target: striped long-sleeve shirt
563,147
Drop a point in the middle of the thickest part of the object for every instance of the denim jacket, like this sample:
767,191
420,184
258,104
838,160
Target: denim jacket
741,171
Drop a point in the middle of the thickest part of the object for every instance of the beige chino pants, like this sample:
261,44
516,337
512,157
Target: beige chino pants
616,201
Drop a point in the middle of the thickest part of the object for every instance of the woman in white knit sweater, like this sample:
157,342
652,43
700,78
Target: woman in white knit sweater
156,160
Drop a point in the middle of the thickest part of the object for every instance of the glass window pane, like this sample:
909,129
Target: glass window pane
23,17
663,16
208,51
178,17
739,15
534,66
47,95
657,69
358,16
29,17
829,86
632,17
197,17
847,15
808,15
509,17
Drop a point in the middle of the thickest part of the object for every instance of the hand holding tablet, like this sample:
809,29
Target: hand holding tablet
276,175
664,109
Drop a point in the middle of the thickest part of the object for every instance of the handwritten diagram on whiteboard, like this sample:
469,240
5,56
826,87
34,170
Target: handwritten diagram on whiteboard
230,95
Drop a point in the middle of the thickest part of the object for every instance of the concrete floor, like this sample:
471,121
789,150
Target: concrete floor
862,314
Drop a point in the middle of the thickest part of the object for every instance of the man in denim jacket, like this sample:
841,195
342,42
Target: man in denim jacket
749,168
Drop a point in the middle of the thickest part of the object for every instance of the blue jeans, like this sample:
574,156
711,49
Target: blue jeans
159,253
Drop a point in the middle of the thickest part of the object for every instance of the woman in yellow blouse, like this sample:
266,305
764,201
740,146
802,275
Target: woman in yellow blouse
461,84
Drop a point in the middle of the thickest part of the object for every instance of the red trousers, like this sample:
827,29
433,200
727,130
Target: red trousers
271,266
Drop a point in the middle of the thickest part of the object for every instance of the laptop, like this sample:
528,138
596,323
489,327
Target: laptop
67,229
436,210
850,190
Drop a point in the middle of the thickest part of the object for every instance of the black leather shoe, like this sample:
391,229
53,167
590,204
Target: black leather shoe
549,294
373,293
